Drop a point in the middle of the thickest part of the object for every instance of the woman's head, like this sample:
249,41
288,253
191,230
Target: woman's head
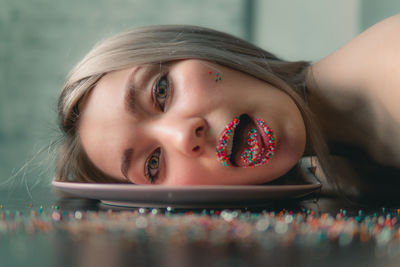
151,105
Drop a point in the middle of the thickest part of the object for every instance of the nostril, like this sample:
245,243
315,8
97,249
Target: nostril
196,148
199,130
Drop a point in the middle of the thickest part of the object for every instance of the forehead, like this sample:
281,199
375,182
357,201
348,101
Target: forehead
101,118
104,101
110,85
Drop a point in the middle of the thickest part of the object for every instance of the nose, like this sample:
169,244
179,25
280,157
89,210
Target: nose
187,135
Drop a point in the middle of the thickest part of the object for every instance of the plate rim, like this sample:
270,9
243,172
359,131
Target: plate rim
128,187
176,196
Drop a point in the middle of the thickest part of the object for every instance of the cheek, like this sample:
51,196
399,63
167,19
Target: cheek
196,171
198,85
198,96
193,173
187,173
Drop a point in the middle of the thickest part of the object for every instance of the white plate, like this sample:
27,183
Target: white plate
185,196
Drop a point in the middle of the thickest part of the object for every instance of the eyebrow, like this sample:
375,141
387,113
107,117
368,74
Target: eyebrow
132,88
131,92
126,161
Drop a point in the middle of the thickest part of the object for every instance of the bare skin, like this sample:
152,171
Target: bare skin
355,92
359,83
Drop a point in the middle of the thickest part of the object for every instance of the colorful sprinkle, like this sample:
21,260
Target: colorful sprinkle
217,76
264,228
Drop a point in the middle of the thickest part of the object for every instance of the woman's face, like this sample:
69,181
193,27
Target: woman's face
164,125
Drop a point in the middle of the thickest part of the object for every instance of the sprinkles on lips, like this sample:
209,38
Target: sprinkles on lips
257,153
223,142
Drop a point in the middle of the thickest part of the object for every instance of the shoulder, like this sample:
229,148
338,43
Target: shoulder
361,83
366,62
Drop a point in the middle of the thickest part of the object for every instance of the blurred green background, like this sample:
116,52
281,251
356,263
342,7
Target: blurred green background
41,40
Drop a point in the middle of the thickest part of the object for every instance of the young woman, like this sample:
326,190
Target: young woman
185,105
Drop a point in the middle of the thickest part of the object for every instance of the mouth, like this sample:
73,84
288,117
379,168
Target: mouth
246,142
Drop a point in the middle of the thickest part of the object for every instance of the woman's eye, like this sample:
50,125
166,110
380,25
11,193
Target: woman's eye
161,91
152,166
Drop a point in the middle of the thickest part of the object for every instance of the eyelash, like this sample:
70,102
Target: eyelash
161,83
148,169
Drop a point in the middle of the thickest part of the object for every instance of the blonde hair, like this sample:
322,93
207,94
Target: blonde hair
162,44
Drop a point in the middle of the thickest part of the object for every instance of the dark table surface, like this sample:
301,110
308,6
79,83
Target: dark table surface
48,230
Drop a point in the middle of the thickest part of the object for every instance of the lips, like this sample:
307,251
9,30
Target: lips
246,142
